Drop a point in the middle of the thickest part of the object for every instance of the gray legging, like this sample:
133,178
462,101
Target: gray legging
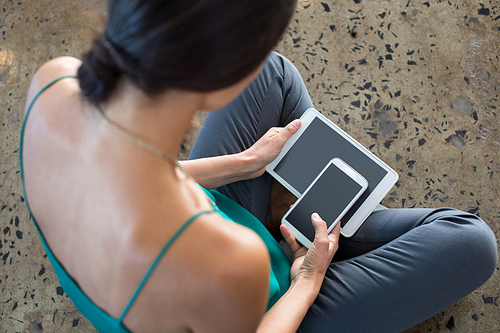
400,268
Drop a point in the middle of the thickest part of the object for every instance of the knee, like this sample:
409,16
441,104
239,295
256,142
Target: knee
473,239
273,66
485,244
283,67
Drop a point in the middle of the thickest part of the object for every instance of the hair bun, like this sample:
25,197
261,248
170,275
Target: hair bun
100,70
195,45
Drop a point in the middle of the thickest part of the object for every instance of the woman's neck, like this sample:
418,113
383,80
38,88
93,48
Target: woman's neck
161,120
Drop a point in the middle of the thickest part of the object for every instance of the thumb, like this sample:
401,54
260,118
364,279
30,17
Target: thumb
321,231
291,128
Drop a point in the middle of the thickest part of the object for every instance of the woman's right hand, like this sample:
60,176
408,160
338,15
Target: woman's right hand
307,274
312,263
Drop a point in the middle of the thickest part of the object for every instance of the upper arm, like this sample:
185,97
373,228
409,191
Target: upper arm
238,299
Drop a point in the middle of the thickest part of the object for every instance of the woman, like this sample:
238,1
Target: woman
140,247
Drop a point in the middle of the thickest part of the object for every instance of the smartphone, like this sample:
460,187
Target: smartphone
331,194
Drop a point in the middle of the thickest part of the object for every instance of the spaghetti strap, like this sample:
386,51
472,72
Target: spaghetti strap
21,141
96,315
158,258
229,210
41,91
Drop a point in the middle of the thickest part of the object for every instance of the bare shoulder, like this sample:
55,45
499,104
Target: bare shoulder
51,70
221,278
240,274
240,279
57,67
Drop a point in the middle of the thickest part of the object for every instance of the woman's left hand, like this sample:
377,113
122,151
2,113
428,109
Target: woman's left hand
268,147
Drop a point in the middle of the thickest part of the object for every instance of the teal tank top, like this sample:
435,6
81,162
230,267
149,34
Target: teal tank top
279,280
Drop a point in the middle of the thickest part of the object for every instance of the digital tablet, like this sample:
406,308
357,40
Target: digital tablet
331,195
318,141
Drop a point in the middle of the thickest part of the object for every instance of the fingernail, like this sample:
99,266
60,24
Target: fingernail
296,123
316,216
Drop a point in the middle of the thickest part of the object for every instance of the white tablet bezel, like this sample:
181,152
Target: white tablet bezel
377,194
349,171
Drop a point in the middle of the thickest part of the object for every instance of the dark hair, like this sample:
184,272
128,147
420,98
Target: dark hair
200,45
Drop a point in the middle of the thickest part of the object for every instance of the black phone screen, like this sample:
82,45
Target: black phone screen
328,197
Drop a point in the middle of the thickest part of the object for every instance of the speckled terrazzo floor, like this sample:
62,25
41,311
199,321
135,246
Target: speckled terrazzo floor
415,81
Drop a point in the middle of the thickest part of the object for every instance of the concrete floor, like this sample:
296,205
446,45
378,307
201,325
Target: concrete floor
415,81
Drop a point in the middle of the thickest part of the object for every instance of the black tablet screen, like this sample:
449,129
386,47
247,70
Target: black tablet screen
314,149
328,197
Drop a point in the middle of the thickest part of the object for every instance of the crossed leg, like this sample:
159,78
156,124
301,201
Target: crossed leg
400,268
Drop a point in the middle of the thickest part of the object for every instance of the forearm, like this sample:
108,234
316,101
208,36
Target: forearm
287,314
212,172
217,171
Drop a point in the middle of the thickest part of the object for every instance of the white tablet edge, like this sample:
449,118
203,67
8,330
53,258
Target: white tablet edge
306,119
380,191
363,211
297,234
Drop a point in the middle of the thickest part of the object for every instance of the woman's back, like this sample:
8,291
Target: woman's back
107,207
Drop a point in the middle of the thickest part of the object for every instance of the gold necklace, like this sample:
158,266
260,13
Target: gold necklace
140,142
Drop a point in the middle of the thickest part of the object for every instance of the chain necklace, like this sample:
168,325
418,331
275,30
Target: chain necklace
141,143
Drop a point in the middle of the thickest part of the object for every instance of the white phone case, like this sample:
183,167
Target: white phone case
349,171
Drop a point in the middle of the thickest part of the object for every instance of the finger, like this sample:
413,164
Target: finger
290,239
284,133
333,237
320,229
336,230
319,225
291,128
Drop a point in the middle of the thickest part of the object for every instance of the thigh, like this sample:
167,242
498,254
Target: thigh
275,98
380,228
443,257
